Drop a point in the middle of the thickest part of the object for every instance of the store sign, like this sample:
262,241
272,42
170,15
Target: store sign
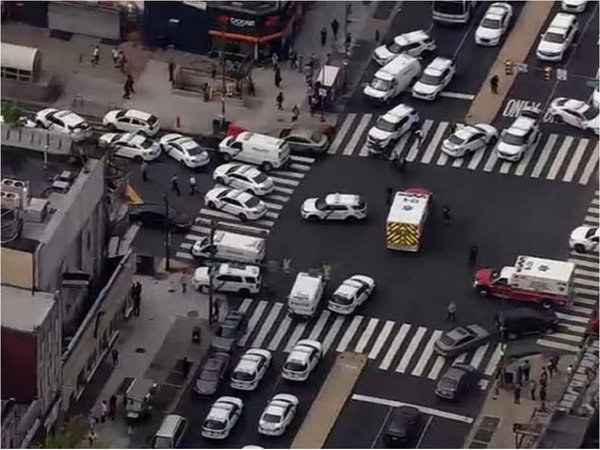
196,4
242,23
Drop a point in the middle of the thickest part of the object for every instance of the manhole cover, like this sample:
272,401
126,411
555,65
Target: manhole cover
140,350
193,314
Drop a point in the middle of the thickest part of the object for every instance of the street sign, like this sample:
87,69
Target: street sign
561,74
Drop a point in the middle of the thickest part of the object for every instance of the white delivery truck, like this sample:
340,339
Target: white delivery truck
306,294
393,78
231,247
406,219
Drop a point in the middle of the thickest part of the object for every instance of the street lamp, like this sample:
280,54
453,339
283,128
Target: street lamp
224,24
167,234
211,249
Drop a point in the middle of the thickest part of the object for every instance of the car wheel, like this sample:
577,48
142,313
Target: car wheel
204,289
493,140
143,133
266,166
557,118
579,248
484,292
40,124
312,218
546,304
243,217
226,157
111,127
351,219
220,180
245,292
138,159
211,205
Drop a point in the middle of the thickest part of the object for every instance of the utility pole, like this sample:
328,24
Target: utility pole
223,80
211,249
167,234
347,8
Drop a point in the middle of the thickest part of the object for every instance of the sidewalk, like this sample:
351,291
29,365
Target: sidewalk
493,428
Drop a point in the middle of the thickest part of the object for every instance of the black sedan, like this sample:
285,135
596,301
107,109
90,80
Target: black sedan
458,380
230,330
402,425
211,373
518,322
461,339
155,216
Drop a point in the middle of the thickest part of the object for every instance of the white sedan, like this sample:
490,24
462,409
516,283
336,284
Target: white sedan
64,121
575,113
469,139
584,239
222,417
241,204
244,177
302,360
335,207
131,145
185,150
352,293
494,24
250,369
278,414
131,120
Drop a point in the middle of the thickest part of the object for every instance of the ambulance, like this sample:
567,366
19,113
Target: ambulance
531,279
406,219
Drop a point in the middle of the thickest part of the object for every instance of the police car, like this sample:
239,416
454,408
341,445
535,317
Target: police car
244,177
185,150
352,293
575,113
335,207
302,360
584,239
434,79
390,127
131,145
521,136
469,139
233,201
250,369
222,417
278,414
557,38
413,44
131,120
64,121
494,24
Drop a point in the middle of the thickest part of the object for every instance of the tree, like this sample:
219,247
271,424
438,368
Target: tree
73,434
11,113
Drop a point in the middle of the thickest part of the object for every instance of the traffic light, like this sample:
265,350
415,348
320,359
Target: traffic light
508,67
547,73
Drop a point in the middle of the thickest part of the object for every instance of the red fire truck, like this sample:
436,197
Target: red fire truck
535,280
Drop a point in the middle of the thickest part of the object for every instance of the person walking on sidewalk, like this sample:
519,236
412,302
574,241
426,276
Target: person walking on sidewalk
175,184
418,134
121,61
126,91
473,255
92,437
275,60
543,397
144,170
335,26
112,407
95,56
277,77
115,357
543,378
192,185
323,36
103,411
279,99
295,113
494,84
171,71
129,82
183,281
115,56
517,394
300,63
532,386
553,365
451,311
526,368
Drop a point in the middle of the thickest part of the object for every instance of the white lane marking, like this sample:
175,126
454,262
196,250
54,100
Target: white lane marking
233,218
303,159
341,134
575,160
385,421
331,334
415,147
586,273
581,309
426,354
389,356
458,162
399,147
253,321
410,350
505,167
566,337
457,95
494,360
284,191
280,198
347,337
295,336
560,157
558,345
353,142
267,325
283,327
573,328
478,356
491,162
437,367
195,237
383,335
425,428
278,180
477,158
303,167
582,262
423,409
366,335
572,318
316,331
289,173
245,305
585,301
590,220
537,170
586,282
275,206
435,140
184,255
525,160
236,226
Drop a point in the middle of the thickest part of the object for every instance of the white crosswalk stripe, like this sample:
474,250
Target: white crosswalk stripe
295,337
332,333
410,351
281,331
381,339
396,343
316,331
349,334
364,338
267,324
557,157
426,354
253,321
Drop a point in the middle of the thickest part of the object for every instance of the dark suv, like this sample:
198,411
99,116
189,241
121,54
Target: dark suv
518,322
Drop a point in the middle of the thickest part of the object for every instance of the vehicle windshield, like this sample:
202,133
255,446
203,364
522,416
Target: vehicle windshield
321,204
147,143
454,139
271,418
494,24
214,424
394,47
380,85
260,178
554,38
433,80
591,232
242,376
341,300
384,125
449,7
590,113
448,383
511,139
209,375
194,151
294,366
252,202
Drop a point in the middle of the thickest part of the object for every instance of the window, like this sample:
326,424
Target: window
231,278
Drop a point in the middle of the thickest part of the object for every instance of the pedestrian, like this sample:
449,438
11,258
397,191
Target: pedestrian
532,386
138,289
570,369
92,437
446,213
115,56
517,392
275,60
312,62
526,369
520,375
293,60
494,84
452,127
348,42
400,161
171,71
389,192
308,79
183,281
213,71
543,378
553,364
251,87
144,170
328,59
295,113
112,407
473,255
95,56
126,91
451,311
115,356
543,397
312,101
277,77
103,410
279,99
129,82
335,26
300,63
418,137
192,185
185,367
175,184
137,302
323,36
122,60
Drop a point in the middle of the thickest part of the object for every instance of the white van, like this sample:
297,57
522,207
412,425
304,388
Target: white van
228,277
231,247
170,433
393,78
306,294
265,151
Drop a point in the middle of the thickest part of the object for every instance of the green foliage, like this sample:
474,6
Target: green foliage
11,113
71,435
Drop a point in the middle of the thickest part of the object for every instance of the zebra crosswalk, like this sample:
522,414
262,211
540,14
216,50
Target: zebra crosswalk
573,320
285,181
554,157
390,346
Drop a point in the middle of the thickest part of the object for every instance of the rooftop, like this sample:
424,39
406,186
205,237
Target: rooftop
23,310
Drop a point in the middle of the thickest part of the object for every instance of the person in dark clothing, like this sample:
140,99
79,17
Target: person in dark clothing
115,356
418,136
526,368
171,71
295,113
323,36
192,185
517,392
137,302
335,26
277,77
532,386
451,311
389,193
129,82
144,170
279,99
553,364
112,407
452,127
348,40
399,161
543,397
520,375
186,365
494,84
126,91
213,71
175,184
446,213
544,378
473,255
